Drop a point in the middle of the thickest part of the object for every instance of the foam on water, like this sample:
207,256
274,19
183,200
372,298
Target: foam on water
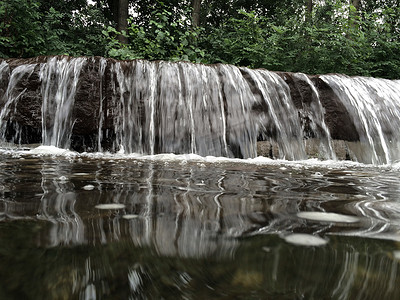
194,158
170,157
51,150
130,216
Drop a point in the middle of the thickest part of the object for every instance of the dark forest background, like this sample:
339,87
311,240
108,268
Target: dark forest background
354,37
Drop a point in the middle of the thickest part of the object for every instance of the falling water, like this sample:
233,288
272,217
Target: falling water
134,125
219,110
279,115
207,110
315,113
103,64
374,105
59,82
12,94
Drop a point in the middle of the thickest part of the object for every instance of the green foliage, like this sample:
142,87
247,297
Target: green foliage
20,23
29,30
240,41
165,38
335,39
276,35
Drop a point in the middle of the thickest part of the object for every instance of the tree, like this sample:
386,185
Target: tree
38,27
122,20
309,10
196,12
356,4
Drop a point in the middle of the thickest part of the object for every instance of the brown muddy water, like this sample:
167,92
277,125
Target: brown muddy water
98,226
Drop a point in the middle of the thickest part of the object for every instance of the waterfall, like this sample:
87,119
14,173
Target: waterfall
102,69
181,108
279,114
134,106
374,105
152,107
59,81
315,112
12,94
166,107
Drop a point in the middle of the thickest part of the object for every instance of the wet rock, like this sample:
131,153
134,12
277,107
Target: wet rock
95,105
337,117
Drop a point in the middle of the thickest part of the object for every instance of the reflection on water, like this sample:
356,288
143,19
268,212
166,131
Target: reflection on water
193,229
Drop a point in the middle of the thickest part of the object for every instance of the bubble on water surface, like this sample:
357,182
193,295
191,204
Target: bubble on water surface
88,187
303,239
110,206
327,217
130,217
317,174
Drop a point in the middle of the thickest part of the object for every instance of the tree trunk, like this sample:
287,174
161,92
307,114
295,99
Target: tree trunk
309,6
196,12
356,4
354,7
122,20
309,10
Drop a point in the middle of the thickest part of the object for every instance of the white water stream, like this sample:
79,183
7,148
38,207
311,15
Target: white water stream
217,110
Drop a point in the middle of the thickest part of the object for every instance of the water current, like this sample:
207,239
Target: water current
114,226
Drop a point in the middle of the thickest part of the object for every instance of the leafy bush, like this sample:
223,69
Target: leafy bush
28,31
334,38
166,38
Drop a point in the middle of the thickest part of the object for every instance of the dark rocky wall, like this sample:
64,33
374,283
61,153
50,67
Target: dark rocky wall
337,118
95,89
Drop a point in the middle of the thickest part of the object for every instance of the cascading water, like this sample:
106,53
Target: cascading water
374,105
175,107
219,110
12,94
279,115
103,64
315,113
134,125
59,82
207,110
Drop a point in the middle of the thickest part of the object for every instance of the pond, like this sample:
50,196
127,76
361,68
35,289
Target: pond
114,226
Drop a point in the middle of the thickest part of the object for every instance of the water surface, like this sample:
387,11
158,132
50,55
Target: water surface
188,227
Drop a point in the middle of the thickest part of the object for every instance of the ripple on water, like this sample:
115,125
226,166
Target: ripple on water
327,217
